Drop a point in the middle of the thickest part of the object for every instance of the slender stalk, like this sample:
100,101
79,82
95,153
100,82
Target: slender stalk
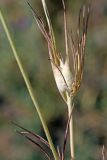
70,105
29,87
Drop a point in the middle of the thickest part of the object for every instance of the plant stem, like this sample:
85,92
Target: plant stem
70,105
29,87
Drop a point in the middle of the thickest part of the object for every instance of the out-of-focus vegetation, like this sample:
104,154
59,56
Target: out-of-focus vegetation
15,104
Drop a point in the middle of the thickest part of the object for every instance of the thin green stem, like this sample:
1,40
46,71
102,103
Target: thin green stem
71,130
29,87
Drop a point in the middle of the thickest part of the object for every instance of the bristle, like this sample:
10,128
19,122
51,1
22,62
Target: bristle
41,25
49,24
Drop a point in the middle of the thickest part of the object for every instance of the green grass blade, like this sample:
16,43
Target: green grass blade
28,85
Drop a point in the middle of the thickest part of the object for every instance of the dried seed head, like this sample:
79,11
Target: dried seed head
67,82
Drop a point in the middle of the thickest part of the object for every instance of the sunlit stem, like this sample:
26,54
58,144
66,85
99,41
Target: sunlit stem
65,29
29,87
71,130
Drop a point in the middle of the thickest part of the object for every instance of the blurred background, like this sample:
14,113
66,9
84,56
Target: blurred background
90,113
